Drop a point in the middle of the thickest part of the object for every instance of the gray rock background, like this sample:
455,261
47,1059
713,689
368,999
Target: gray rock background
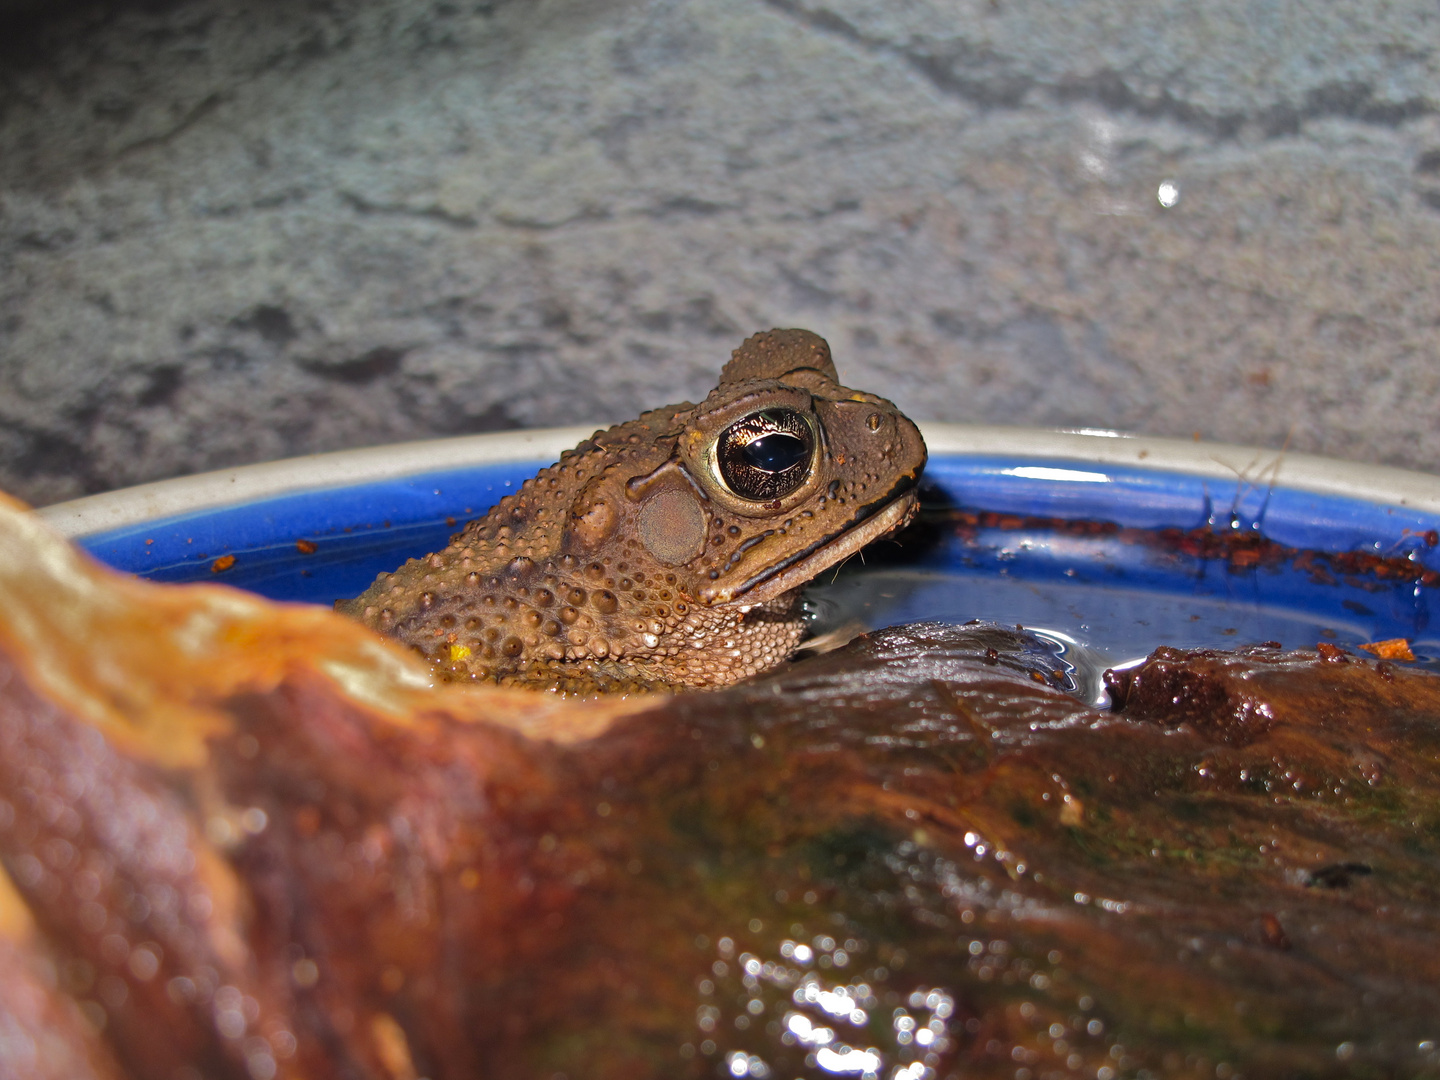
234,230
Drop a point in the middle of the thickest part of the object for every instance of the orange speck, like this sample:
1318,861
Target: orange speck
1273,933
1072,813
1390,649
305,547
223,563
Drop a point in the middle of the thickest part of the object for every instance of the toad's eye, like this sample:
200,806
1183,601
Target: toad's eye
767,455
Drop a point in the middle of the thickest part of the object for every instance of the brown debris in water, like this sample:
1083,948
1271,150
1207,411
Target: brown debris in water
1239,549
248,840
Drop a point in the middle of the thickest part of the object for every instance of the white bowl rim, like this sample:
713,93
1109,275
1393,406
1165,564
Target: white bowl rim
343,468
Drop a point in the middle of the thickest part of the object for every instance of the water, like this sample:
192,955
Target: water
1107,602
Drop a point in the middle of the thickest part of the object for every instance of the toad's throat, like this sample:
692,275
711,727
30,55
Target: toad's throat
870,523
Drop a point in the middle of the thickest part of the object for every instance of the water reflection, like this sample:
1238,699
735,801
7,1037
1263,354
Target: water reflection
1108,602
820,1025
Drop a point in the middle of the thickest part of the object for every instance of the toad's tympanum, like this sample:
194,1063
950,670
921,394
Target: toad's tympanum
668,551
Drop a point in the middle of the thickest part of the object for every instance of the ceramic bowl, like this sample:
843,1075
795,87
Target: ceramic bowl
1152,568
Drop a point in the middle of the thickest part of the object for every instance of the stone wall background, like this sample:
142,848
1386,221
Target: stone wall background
235,230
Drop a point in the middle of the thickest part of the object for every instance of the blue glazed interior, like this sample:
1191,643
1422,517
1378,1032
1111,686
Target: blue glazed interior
1120,598
358,531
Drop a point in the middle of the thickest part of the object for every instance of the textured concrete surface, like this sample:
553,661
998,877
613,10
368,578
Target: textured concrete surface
233,230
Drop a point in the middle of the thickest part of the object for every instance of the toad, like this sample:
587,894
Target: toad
667,552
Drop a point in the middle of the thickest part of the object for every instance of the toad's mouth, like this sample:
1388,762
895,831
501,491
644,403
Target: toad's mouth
795,571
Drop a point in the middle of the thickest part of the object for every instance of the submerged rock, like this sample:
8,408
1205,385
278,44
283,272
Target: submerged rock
248,840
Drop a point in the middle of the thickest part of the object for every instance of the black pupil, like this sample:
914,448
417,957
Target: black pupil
775,452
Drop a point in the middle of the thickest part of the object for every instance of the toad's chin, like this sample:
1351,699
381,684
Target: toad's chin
806,564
